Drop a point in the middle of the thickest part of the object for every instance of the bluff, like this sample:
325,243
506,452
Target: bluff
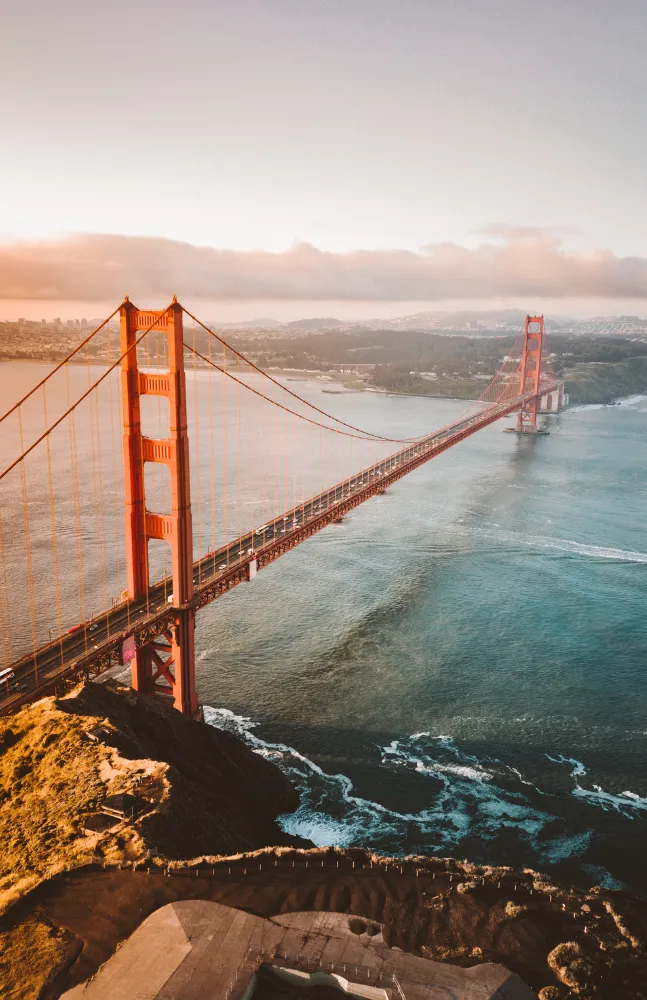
107,775
111,807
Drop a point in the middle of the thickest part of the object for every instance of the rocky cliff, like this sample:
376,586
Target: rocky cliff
105,774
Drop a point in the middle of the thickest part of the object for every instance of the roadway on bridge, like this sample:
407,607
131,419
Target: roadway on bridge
90,646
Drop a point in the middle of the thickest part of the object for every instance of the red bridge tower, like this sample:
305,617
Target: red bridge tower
165,665
533,343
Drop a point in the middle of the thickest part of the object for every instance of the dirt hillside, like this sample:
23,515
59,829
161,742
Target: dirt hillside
111,807
105,774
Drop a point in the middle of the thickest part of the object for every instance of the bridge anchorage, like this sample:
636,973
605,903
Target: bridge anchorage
299,450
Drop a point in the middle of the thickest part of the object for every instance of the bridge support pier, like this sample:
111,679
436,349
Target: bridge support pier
164,666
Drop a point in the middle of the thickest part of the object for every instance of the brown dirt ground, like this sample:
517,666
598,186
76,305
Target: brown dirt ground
193,788
196,791
446,912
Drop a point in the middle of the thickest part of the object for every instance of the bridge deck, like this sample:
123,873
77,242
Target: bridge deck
96,646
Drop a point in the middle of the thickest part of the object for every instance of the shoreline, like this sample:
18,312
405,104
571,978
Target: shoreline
438,908
292,375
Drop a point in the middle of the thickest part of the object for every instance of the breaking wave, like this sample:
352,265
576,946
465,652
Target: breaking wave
627,803
466,798
625,401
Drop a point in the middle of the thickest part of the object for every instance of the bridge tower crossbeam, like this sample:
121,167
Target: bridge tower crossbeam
165,666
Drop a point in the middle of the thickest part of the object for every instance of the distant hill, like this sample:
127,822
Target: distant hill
313,325
487,321
260,323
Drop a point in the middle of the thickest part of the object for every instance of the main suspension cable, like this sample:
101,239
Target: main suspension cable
317,423
84,395
59,365
368,435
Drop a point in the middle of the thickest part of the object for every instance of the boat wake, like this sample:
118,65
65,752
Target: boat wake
567,546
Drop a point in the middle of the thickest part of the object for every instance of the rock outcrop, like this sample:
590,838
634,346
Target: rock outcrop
105,774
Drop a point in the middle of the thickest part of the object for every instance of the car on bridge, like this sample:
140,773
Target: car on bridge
6,675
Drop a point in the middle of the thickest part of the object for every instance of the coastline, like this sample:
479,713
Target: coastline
435,907
585,388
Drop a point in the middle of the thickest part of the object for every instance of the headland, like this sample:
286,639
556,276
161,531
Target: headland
114,807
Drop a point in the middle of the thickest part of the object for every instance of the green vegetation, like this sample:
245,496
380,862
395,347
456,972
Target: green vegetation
598,382
596,369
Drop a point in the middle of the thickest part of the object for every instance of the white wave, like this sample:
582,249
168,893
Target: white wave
578,767
624,401
588,406
603,877
520,777
464,799
575,548
623,803
631,400
471,771
562,848
627,803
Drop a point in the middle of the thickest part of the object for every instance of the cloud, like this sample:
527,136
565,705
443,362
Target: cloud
521,261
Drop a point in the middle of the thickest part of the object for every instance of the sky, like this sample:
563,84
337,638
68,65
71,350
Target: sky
270,156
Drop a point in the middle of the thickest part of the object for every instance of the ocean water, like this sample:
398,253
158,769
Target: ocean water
461,667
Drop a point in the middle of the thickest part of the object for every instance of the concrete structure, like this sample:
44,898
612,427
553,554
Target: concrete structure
553,402
304,981
200,950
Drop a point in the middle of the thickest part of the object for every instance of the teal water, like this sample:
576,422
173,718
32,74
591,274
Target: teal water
460,666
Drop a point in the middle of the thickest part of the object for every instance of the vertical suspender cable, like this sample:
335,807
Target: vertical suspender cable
30,571
296,428
196,417
212,459
104,553
77,511
7,639
115,488
97,525
145,512
237,455
158,479
225,458
275,470
52,511
305,429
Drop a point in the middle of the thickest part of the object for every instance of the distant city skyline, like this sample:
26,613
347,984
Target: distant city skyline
218,313
355,127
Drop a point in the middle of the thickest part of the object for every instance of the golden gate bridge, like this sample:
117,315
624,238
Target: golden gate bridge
92,503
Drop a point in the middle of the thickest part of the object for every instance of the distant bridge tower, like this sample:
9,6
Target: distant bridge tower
164,665
533,343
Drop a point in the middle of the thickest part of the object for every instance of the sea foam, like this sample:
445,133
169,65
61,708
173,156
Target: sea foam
464,800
